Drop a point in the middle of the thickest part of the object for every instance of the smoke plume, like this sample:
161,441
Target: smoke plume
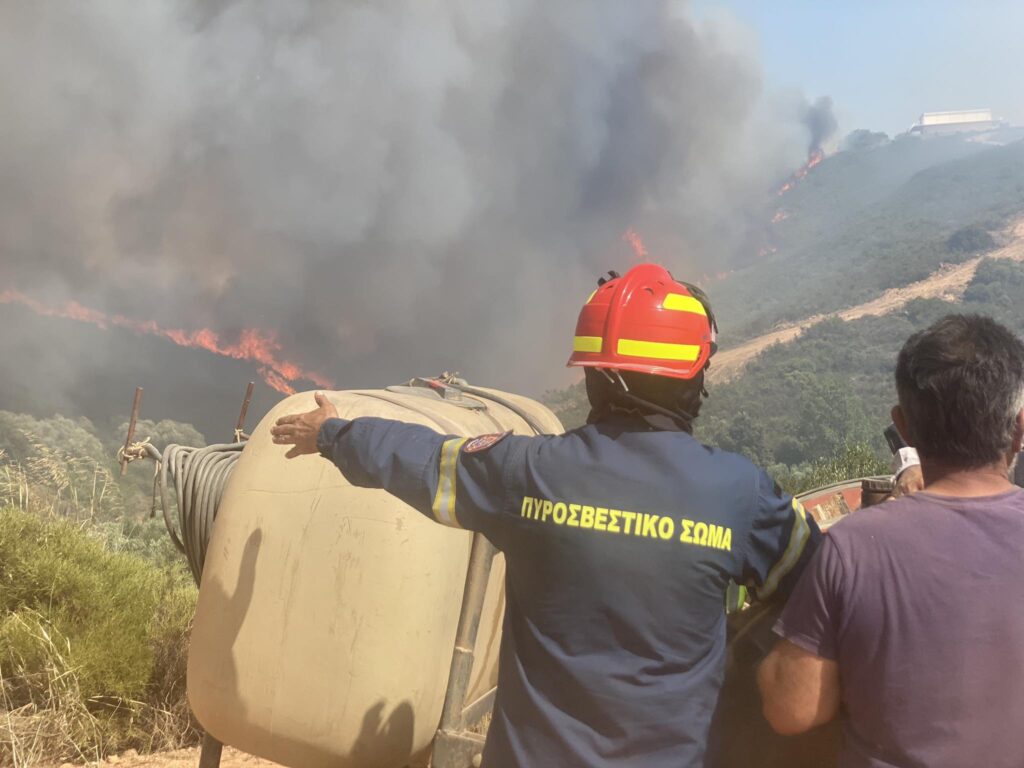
392,188
821,123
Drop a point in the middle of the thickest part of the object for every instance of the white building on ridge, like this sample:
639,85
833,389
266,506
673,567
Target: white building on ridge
958,121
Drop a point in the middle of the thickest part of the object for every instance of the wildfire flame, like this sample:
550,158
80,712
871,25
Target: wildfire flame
261,347
780,215
813,159
632,237
709,277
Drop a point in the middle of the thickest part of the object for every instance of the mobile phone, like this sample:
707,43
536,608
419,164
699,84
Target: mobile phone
894,439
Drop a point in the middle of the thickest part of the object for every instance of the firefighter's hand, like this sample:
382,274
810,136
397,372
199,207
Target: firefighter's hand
301,429
911,480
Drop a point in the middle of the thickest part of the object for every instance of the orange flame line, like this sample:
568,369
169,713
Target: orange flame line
813,159
253,345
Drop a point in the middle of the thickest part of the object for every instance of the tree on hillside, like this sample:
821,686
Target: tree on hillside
862,140
163,433
741,433
998,290
970,239
20,434
56,465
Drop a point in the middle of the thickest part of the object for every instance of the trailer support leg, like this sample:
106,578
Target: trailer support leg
209,757
454,747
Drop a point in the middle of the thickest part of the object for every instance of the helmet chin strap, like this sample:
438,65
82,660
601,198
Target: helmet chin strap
623,393
621,382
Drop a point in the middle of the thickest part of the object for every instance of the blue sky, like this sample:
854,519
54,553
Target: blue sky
883,63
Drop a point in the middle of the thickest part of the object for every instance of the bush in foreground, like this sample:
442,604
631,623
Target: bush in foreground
851,462
92,645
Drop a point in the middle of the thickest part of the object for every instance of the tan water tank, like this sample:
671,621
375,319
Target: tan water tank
327,613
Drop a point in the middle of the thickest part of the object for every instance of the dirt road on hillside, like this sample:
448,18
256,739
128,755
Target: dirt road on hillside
947,283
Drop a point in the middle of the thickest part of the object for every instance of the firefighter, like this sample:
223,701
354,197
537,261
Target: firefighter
620,537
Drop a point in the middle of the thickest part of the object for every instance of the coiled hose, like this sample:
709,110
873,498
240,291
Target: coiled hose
200,476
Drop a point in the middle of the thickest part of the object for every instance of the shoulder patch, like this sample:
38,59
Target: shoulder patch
484,442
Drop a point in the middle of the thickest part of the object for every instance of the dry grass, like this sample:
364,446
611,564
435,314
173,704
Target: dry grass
58,722
52,483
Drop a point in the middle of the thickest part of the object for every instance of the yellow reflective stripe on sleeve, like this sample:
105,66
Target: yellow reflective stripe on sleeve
657,350
735,597
680,303
586,344
797,541
444,500
590,298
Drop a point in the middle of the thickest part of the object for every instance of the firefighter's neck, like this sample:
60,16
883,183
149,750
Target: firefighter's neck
944,479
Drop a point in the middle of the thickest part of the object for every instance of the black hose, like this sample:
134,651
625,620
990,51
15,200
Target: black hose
199,476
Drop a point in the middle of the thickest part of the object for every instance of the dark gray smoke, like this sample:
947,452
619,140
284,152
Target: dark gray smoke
397,188
820,122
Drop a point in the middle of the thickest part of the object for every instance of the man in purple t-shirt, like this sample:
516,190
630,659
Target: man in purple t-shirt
907,623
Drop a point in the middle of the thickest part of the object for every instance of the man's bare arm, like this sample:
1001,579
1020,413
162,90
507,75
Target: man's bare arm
798,689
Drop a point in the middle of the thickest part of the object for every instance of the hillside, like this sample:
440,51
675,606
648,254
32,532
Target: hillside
899,238
948,282
57,366
834,384
850,182
810,334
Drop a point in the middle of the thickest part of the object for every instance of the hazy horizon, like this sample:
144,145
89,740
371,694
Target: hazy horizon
884,64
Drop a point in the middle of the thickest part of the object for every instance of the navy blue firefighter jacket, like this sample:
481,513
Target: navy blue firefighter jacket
620,540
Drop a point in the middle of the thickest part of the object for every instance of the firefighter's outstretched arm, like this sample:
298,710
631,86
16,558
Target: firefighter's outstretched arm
783,539
457,481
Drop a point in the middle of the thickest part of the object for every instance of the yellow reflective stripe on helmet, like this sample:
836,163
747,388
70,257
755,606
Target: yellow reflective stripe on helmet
586,344
680,303
657,350
444,500
797,541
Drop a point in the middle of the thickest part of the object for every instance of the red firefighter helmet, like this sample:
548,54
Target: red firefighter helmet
645,321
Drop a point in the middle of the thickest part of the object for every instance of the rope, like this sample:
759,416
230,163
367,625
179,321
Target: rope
133,452
199,477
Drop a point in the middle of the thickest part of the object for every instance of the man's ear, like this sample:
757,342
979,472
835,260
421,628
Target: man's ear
1018,433
901,423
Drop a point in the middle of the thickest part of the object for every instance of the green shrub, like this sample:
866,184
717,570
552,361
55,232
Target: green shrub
853,461
99,599
970,239
92,643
